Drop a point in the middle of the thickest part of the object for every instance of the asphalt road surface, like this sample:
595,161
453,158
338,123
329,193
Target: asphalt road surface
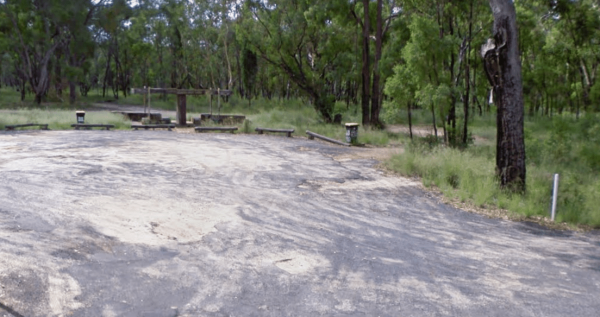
120,223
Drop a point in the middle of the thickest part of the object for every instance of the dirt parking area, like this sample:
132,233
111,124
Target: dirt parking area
123,223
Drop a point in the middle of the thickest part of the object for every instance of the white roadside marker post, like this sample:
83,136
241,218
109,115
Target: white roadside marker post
554,196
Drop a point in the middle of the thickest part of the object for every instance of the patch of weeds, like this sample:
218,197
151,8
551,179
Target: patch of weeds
565,146
61,119
247,126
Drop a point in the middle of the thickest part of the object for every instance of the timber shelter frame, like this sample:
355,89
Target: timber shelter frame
181,98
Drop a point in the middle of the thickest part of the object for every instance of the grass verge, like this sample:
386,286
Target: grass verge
559,145
60,119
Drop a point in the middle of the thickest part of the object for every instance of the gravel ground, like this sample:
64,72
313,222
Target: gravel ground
123,223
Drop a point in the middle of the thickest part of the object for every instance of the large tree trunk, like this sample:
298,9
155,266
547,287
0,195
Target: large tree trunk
376,92
503,68
366,74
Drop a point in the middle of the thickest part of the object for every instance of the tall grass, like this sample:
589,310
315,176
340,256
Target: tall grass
60,119
558,145
299,115
302,117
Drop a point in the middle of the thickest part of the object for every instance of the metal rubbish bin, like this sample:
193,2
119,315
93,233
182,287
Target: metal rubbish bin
80,116
352,133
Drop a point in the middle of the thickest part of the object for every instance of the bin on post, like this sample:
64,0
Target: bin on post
352,133
80,116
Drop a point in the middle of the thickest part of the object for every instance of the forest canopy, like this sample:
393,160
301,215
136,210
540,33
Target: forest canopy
414,52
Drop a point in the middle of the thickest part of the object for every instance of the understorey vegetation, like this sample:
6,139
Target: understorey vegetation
561,144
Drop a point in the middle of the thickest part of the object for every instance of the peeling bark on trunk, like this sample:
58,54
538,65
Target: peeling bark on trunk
503,67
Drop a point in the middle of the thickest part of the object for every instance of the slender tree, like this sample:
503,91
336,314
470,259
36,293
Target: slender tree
249,71
36,34
366,61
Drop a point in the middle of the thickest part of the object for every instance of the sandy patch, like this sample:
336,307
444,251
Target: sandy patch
389,183
154,222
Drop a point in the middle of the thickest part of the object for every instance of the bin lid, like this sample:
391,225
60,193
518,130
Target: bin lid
79,111
352,124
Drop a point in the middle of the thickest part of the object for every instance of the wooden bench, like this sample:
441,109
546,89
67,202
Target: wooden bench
138,116
14,126
312,135
234,118
89,126
287,131
153,126
202,129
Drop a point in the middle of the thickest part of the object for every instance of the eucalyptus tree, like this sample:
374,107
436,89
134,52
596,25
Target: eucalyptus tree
113,21
579,25
419,70
425,57
300,38
386,12
503,69
559,51
249,71
11,70
374,20
439,56
79,43
142,48
402,87
37,28
210,38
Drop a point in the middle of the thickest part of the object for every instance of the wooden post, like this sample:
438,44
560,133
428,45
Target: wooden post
181,98
181,110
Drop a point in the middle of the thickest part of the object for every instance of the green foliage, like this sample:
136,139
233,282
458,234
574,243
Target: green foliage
301,39
300,116
247,126
249,71
562,145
